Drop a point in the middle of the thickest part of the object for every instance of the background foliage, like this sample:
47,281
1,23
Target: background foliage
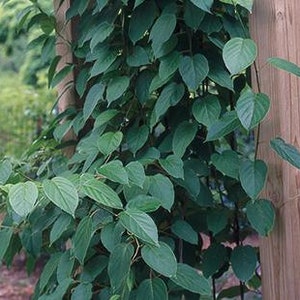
161,162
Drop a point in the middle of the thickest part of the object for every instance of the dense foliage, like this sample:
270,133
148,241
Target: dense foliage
161,162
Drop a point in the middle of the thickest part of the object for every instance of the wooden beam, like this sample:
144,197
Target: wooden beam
275,26
66,91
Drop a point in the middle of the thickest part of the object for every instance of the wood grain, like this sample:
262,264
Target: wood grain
275,26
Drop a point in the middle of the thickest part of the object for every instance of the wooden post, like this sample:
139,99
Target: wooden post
275,26
66,92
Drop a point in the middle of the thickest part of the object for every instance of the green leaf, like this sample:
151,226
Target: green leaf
140,224
226,124
101,193
173,165
62,193
191,280
105,117
65,266
253,175
203,4
285,65
141,20
252,108
183,136
5,236
60,75
286,151
102,32
137,137
162,188
161,259
82,238
227,163
5,171
245,3
220,76
261,215
109,142
59,227
168,65
243,260
138,57
185,232
162,29
144,203
22,197
193,16
239,54
82,291
111,235
94,95
214,257
114,171
136,173
104,60
119,265
193,70
116,88
152,289
207,110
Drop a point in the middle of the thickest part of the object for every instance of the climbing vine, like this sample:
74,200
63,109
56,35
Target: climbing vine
164,157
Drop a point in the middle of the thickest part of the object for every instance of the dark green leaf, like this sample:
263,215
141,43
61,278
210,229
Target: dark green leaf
138,57
109,142
137,137
193,16
185,232
116,88
82,291
152,289
144,203
285,65
111,235
102,32
203,4
217,221
243,260
5,236
59,227
114,171
261,215
82,238
173,165
136,173
193,70
65,266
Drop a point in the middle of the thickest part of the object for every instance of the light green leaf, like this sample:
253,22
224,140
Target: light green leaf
193,70
183,136
243,260
253,175
161,259
137,137
227,163
62,193
286,151
252,108
82,238
109,142
94,95
203,4
5,171
152,289
116,88
285,65
136,173
214,257
191,280
140,224
114,171
226,124
5,236
185,232
144,203
119,266
261,215
101,193
239,54
173,165
207,110
22,197
162,188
